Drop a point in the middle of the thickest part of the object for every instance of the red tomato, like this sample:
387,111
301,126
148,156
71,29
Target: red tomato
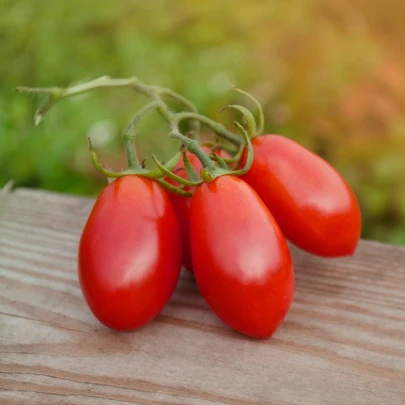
182,204
130,253
312,203
241,261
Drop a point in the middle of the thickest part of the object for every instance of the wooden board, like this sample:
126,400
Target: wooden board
342,343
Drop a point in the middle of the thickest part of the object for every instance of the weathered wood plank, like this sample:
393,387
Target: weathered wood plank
342,343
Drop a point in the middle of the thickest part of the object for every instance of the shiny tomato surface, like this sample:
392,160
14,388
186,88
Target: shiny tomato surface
241,261
310,200
182,204
130,253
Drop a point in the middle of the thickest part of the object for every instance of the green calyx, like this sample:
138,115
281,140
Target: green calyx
210,172
260,113
140,171
174,176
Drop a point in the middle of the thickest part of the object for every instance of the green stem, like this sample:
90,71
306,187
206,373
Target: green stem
215,126
54,94
60,92
191,172
130,128
260,117
57,93
250,120
236,157
193,146
250,152
195,125
129,146
206,176
98,166
173,176
221,162
152,92
174,189
129,134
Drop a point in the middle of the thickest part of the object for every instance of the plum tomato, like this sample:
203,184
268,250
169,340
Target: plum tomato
130,253
312,203
241,261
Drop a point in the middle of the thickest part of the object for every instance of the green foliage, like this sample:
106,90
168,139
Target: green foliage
320,69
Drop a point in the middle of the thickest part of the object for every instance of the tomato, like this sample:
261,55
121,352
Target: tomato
130,253
182,204
312,203
241,261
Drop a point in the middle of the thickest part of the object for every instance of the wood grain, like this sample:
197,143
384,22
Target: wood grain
342,343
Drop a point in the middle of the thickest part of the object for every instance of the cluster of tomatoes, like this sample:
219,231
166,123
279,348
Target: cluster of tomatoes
227,227
230,234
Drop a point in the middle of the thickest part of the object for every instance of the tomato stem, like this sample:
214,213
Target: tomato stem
220,161
54,94
174,189
191,173
154,93
132,158
97,165
194,124
129,134
250,152
236,157
250,121
194,147
218,128
260,117
206,176
173,176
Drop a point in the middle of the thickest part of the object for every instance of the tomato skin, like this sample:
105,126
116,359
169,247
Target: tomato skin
241,261
130,253
310,200
182,204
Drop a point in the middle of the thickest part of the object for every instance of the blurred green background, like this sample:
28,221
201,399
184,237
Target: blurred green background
330,74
